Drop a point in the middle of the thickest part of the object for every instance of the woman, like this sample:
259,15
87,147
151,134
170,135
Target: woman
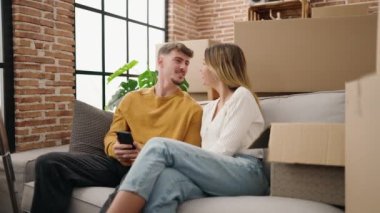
167,173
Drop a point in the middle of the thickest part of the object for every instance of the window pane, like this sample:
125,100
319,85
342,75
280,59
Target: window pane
137,10
138,47
1,90
91,3
115,43
157,13
118,7
155,37
89,89
88,40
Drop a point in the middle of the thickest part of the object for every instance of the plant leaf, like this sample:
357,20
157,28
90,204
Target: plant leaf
121,70
115,99
125,87
184,85
147,79
129,86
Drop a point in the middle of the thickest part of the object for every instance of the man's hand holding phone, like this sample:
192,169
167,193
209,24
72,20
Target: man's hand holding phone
125,150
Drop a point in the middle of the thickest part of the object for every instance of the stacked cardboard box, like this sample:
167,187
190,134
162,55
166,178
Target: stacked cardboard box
360,9
363,145
308,161
307,55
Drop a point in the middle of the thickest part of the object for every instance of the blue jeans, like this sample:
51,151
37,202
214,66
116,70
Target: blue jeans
167,173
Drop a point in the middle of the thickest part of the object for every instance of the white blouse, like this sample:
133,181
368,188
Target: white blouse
236,126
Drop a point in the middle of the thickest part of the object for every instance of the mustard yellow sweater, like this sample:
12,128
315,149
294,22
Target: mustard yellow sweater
146,115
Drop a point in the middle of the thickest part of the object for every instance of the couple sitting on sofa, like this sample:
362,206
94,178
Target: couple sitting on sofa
228,129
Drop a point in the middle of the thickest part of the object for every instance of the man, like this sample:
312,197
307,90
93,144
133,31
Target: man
163,110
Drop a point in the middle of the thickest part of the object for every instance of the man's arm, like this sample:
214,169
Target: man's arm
193,134
119,123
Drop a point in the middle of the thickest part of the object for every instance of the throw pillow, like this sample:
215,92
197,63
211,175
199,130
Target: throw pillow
89,127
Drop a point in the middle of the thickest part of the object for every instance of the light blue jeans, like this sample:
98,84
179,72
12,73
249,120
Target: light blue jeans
168,172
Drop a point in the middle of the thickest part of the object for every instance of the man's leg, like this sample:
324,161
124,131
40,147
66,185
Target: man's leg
170,190
58,173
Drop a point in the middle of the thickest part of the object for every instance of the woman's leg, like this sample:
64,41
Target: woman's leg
215,174
127,202
171,189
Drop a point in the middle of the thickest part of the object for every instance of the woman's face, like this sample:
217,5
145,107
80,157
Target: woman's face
208,76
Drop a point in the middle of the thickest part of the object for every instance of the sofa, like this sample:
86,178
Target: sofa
90,125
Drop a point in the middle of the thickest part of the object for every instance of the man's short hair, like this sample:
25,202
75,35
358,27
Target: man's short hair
168,47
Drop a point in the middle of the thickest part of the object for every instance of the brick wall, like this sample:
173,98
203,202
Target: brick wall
214,19
44,67
199,19
182,20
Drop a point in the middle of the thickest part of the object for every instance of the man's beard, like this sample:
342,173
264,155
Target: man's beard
176,82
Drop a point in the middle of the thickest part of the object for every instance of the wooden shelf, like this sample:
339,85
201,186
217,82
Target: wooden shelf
264,10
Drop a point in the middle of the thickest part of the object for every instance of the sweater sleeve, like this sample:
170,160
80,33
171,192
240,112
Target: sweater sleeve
119,123
242,115
193,133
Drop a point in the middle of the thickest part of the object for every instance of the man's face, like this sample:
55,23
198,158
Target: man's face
173,66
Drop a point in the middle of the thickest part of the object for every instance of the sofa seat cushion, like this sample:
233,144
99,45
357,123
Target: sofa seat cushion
84,199
90,199
255,204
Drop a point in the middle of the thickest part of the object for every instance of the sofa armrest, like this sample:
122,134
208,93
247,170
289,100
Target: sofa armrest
24,162
23,167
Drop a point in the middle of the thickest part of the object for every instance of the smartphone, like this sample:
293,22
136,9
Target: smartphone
125,137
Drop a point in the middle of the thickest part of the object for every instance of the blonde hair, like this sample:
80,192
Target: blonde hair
228,62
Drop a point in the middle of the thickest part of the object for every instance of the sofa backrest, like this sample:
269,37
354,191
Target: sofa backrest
326,106
91,124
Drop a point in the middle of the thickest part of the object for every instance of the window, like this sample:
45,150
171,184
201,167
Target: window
1,64
6,70
109,33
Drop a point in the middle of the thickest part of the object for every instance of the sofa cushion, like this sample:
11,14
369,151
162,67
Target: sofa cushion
255,204
90,199
84,199
326,106
90,125
23,168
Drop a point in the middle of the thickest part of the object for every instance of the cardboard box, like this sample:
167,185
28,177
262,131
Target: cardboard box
307,55
363,145
378,42
308,161
360,9
309,182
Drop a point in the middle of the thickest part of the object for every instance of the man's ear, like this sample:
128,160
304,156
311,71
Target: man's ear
160,61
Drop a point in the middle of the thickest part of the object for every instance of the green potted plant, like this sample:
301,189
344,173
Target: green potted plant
146,79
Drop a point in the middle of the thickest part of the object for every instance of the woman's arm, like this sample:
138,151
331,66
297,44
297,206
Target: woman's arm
243,121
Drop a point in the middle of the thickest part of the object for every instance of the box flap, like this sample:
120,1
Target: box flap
360,9
307,143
